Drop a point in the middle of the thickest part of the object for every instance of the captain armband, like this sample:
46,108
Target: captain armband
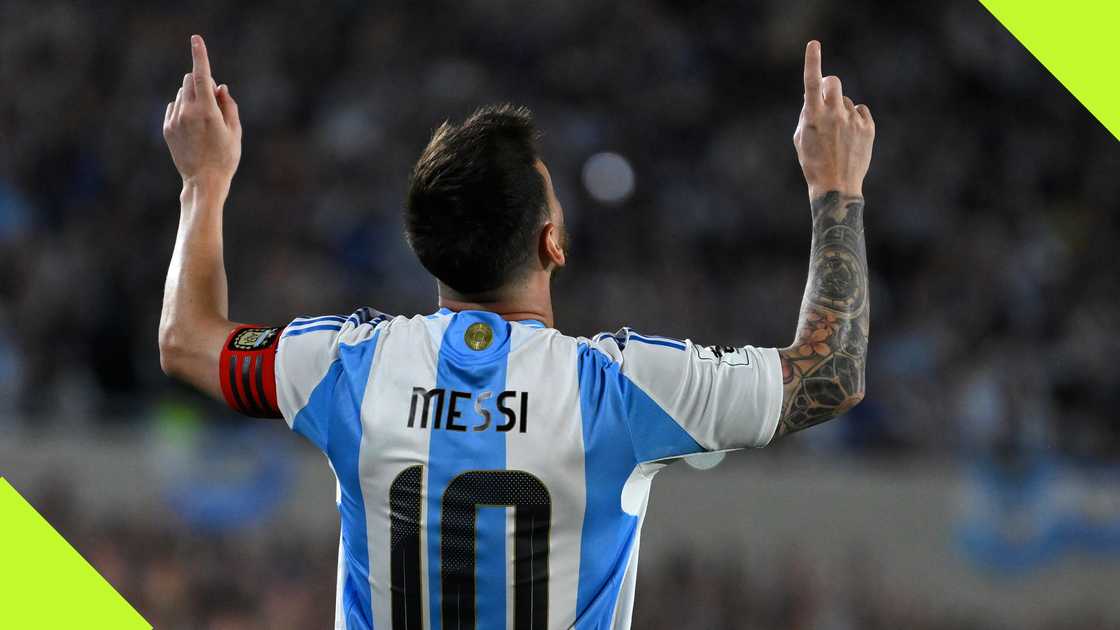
247,371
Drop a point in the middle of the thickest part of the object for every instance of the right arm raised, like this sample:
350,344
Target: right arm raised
203,133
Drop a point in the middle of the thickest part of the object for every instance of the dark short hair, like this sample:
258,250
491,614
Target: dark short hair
476,200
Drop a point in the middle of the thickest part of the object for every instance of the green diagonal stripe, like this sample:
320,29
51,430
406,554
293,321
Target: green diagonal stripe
45,584
1076,41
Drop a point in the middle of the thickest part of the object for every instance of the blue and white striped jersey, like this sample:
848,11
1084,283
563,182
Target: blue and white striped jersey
495,474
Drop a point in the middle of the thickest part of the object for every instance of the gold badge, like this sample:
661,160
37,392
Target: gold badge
253,338
478,336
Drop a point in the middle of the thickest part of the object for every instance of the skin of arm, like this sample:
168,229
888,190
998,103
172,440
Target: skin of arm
823,369
203,132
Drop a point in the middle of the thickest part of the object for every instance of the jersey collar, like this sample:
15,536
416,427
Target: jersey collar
532,323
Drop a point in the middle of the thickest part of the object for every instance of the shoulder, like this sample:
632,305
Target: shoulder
332,330
627,345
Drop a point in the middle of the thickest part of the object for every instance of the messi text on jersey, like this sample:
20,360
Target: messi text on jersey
445,409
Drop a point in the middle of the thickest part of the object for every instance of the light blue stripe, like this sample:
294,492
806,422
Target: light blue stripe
300,331
332,421
608,532
653,432
311,421
451,453
622,426
343,448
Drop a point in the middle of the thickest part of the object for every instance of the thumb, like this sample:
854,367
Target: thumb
228,107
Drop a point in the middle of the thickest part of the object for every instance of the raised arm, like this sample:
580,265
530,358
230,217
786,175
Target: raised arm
203,132
823,369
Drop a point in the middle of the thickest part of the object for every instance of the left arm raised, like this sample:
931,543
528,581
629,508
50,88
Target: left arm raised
823,369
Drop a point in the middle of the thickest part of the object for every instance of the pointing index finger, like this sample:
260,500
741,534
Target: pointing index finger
813,73
201,69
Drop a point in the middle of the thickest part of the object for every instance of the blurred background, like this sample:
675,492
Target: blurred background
977,487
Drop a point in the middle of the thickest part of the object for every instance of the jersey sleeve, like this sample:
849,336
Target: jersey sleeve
720,397
291,372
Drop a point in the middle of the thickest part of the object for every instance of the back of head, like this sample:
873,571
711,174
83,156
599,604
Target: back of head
476,200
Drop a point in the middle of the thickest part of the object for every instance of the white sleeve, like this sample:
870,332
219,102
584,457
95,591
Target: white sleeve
723,397
308,367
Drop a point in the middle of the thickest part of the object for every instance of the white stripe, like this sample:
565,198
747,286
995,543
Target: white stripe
339,613
406,358
436,324
543,363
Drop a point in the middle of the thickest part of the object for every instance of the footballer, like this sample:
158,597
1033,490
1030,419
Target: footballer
492,471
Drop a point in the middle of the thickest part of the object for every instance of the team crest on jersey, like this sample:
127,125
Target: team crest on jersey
479,336
253,338
727,355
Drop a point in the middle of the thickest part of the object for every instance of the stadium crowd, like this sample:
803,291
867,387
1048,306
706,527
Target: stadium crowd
991,222
988,232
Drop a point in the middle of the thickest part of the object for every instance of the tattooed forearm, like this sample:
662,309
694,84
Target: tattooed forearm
823,369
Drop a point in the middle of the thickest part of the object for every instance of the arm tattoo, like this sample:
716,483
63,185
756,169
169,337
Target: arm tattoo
823,370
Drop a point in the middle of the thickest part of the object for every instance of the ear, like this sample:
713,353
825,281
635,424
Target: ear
551,252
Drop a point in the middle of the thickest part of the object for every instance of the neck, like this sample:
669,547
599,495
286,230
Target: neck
531,299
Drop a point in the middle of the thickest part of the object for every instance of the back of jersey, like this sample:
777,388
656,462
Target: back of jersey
494,474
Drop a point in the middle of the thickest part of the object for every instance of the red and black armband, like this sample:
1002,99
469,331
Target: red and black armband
247,371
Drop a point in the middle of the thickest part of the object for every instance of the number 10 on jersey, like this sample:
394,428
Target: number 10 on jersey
465,493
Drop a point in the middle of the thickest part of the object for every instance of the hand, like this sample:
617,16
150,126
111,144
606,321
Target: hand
201,126
834,135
